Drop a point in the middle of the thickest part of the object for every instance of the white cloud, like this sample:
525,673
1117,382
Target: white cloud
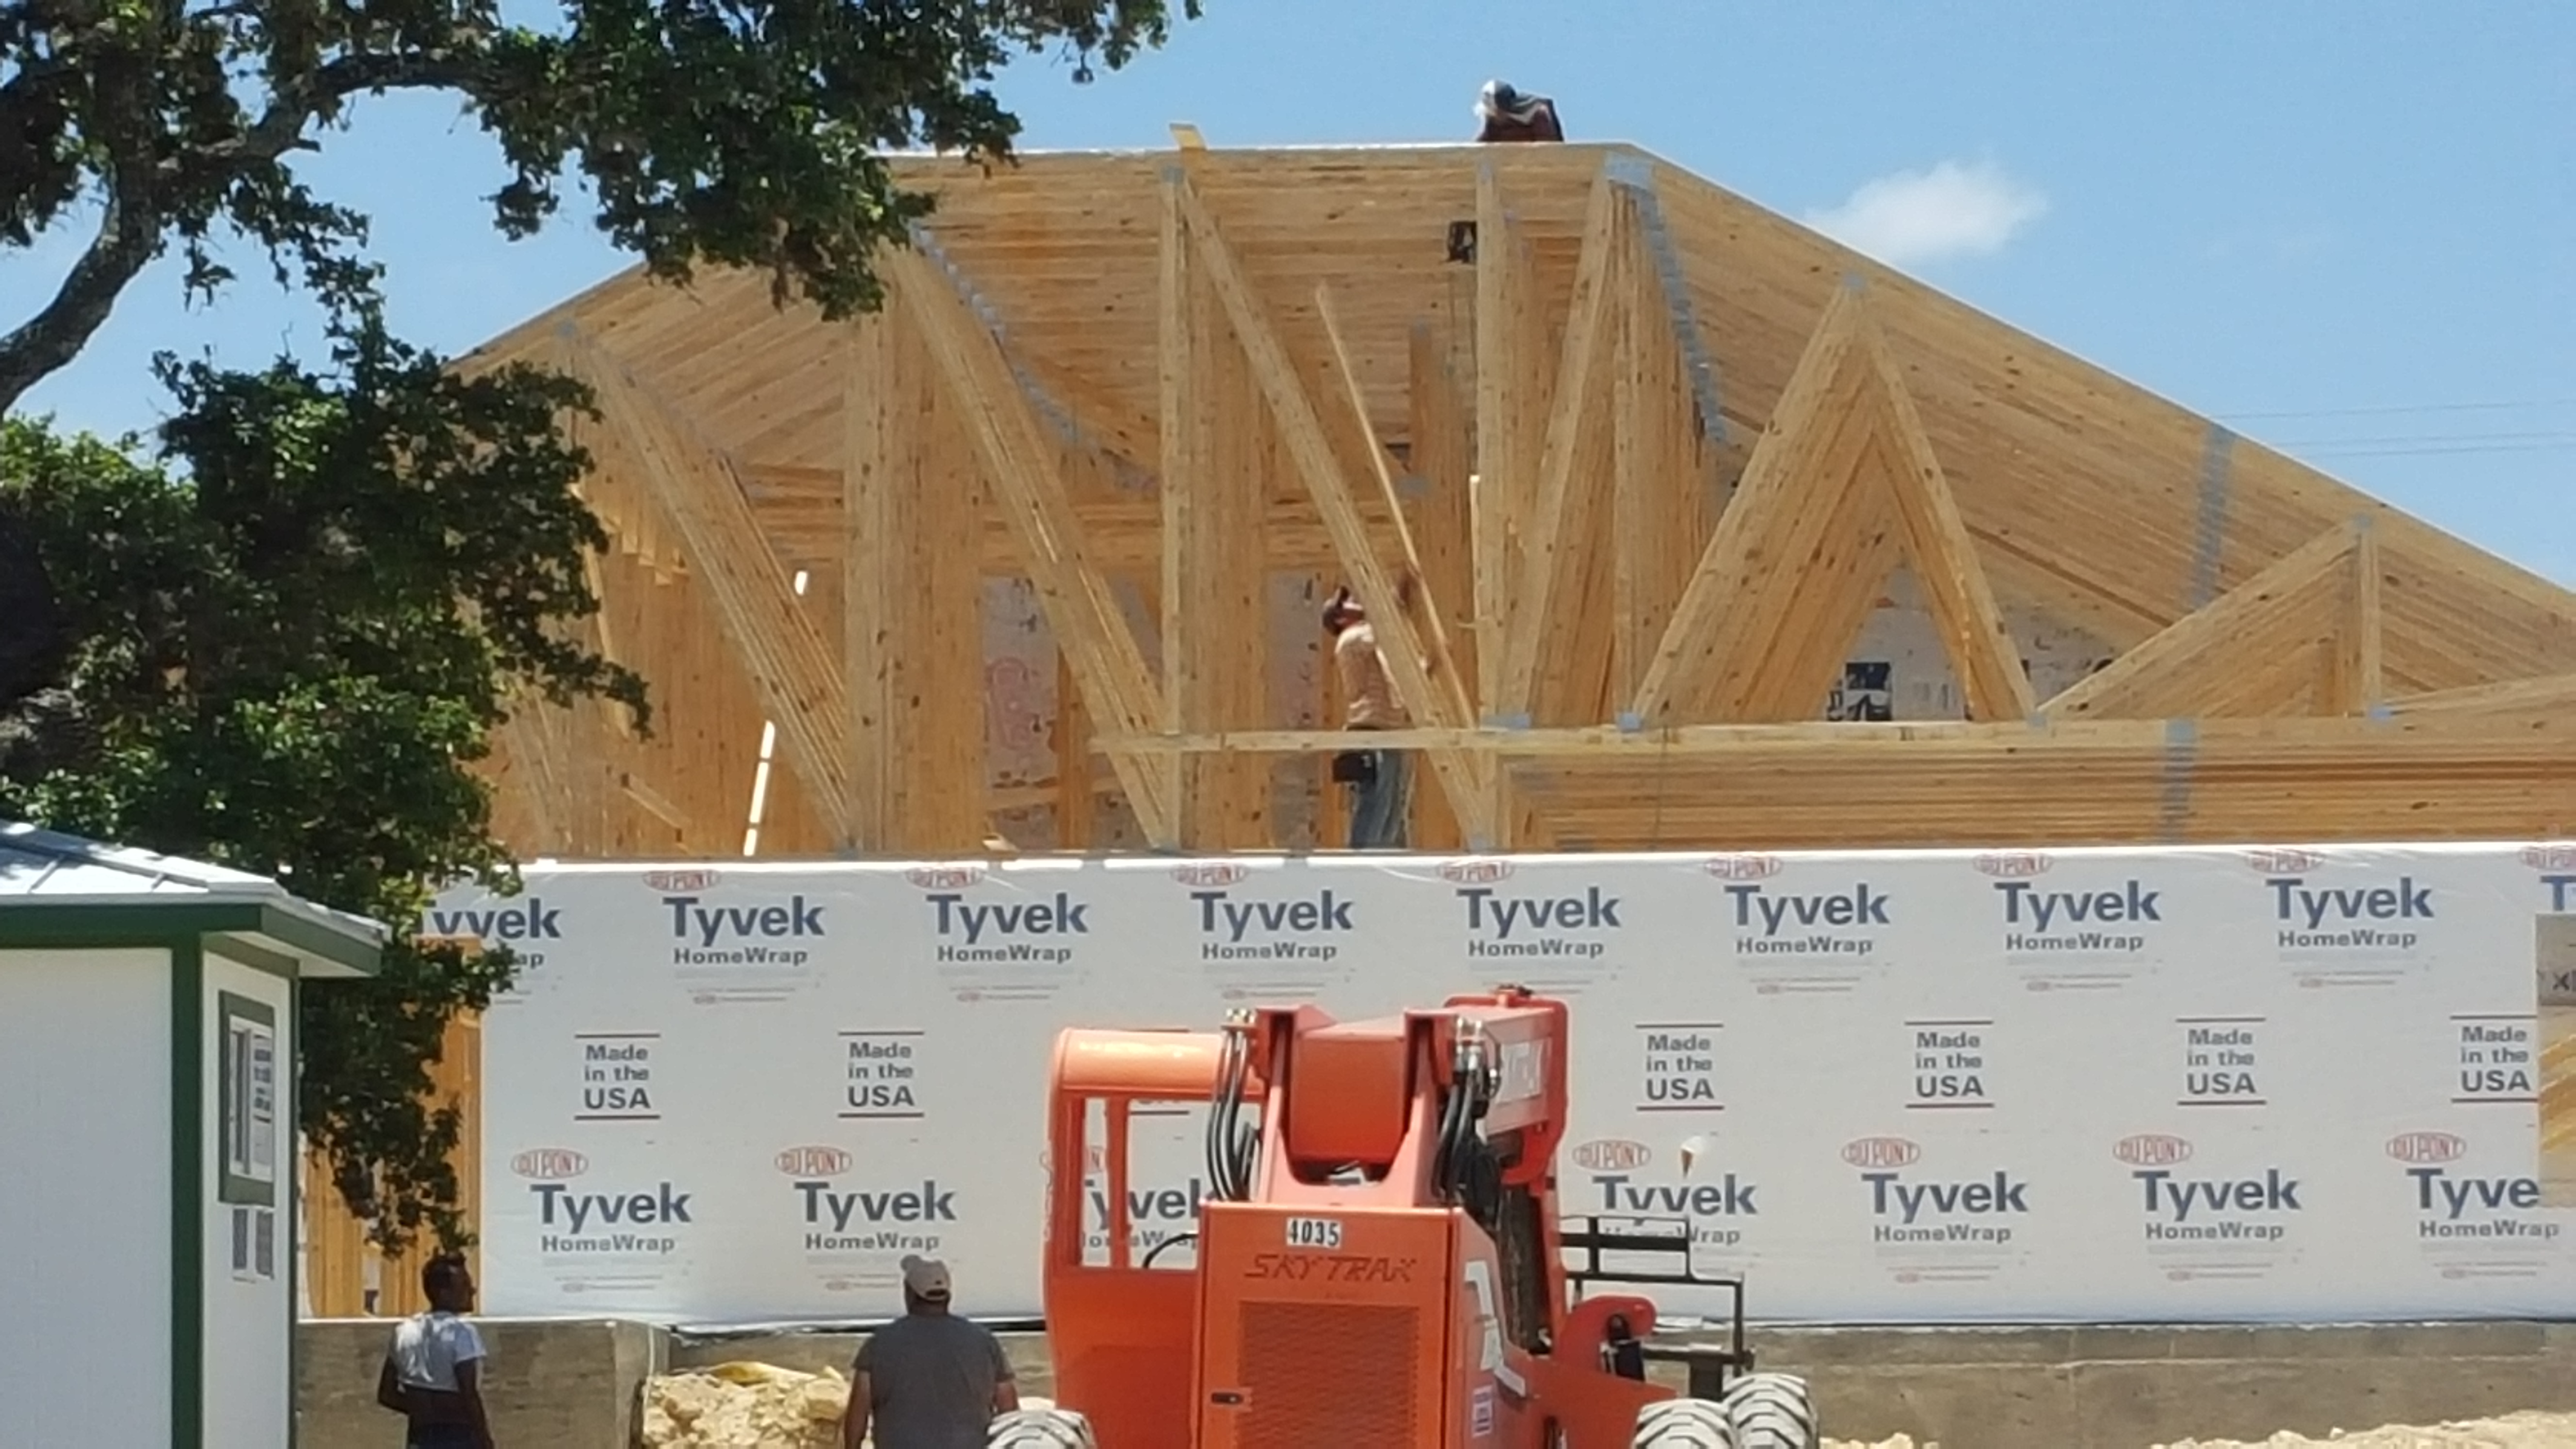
1954,209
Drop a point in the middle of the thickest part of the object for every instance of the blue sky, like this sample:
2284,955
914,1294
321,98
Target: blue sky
2347,227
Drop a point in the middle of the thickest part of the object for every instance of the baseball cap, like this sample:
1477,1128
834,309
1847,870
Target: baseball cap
925,1277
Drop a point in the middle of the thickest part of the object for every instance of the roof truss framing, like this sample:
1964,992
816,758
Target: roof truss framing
1621,466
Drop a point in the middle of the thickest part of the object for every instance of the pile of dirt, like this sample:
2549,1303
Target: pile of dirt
749,1406
2513,1431
744,1406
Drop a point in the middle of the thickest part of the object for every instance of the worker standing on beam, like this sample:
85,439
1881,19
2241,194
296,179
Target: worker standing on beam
1511,116
1381,794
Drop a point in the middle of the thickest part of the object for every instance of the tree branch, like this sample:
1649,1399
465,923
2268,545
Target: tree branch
280,128
129,234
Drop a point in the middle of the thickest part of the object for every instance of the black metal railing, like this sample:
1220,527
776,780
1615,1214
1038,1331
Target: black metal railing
1710,1365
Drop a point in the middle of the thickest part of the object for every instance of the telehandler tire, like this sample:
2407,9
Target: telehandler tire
1046,1428
1684,1424
1772,1411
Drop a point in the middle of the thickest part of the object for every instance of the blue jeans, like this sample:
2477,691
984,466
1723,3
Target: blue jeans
1381,803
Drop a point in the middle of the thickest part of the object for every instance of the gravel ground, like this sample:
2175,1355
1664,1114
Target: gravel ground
754,1406
2513,1431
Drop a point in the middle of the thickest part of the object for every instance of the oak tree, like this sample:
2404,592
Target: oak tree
742,133
278,635
289,632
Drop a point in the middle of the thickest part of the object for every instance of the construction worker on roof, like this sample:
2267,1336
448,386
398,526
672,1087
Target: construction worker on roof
1509,115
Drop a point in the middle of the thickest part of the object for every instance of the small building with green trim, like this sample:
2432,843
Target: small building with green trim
147,1127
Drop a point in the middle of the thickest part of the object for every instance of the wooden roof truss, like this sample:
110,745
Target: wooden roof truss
1620,464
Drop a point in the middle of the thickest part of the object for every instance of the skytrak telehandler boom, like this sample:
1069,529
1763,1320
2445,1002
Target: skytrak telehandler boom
1378,1261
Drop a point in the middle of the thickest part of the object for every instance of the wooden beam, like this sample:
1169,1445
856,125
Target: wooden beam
1788,668
1077,792
878,467
536,737
2510,697
1414,644
602,640
1764,544
1653,511
2249,637
2369,658
1441,521
659,806
1420,646
1942,794
2355,662
1858,743
1214,574
1842,485
1509,407
800,510
1555,538
695,487
596,741
912,601
1020,466
1982,650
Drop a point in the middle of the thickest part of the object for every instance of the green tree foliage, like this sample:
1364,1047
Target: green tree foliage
736,132
287,655
291,630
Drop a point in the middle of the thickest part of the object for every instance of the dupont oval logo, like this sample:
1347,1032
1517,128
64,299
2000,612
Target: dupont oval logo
2284,862
944,877
1211,873
813,1161
1611,1155
2549,857
674,882
1745,867
1475,872
2427,1147
2151,1149
2011,864
549,1164
1880,1152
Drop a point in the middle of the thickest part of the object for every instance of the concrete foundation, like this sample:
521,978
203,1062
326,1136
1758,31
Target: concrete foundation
575,1384
559,1383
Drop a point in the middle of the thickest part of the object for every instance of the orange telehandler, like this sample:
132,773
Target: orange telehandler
1378,1261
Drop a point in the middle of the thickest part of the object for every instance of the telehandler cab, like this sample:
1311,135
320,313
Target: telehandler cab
1378,1261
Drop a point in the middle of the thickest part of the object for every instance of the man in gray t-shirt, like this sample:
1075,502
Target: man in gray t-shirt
928,1380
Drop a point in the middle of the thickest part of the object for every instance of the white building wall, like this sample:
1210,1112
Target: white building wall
85,1197
250,1390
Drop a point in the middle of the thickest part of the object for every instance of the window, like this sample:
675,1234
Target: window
247,1079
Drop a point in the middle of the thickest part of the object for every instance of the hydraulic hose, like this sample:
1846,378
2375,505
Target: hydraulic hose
1230,1147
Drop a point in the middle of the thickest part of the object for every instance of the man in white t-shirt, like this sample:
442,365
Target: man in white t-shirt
433,1373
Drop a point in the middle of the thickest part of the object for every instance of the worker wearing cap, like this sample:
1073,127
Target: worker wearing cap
930,1379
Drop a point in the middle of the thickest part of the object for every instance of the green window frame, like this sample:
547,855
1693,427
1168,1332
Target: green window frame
247,1079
